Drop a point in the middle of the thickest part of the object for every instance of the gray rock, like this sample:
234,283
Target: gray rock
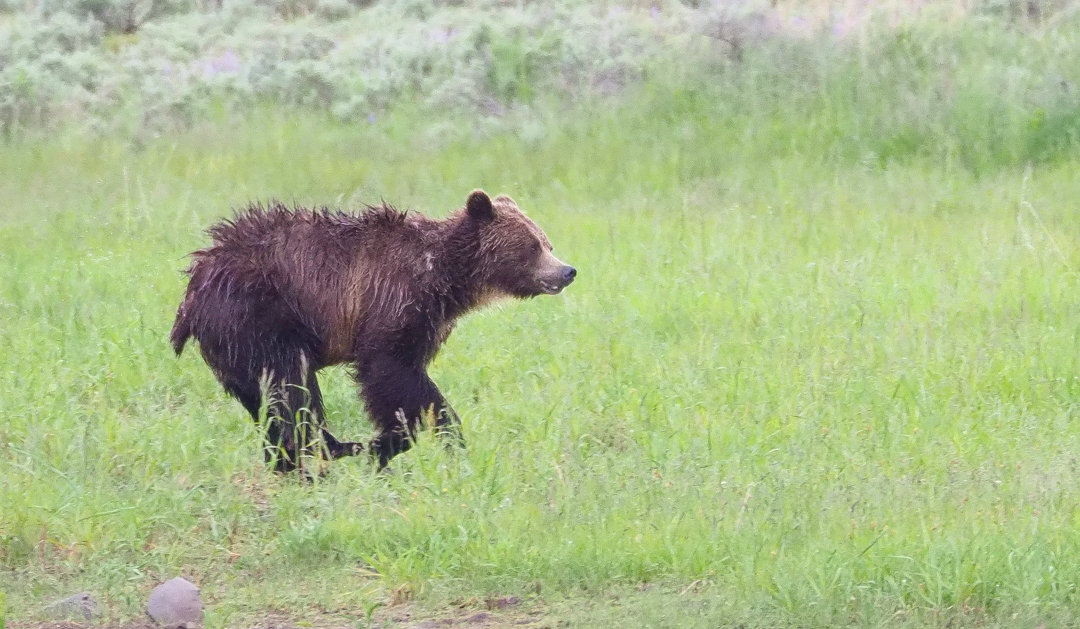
82,604
176,603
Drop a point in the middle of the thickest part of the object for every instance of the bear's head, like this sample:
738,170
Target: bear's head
515,255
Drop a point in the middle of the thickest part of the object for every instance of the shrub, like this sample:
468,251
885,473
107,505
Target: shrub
46,67
124,16
980,91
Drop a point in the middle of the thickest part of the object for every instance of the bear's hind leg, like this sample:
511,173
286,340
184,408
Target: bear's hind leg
299,408
332,448
279,448
294,416
338,449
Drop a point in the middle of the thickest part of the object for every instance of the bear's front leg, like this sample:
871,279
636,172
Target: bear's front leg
448,425
397,395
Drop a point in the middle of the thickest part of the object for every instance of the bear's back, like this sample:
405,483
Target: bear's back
329,271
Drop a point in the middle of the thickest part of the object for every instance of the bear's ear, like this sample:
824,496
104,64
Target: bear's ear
479,206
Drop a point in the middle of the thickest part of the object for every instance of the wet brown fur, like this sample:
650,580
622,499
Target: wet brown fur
283,292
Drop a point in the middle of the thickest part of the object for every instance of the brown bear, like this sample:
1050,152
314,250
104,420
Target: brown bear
282,293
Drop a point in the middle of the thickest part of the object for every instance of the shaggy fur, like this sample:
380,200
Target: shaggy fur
281,293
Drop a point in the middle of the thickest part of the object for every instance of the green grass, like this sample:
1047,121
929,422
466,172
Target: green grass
804,389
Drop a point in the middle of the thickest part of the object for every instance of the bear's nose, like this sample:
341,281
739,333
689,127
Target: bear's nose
568,274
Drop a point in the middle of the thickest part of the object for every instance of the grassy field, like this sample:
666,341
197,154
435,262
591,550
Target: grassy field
791,385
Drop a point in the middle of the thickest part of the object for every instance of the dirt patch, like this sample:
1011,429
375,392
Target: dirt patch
67,624
492,613
473,620
476,620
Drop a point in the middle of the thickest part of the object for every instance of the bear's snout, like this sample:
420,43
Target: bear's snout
562,278
553,275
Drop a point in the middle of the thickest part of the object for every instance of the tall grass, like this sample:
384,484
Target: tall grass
817,364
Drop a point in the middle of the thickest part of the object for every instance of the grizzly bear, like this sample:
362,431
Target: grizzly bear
281,293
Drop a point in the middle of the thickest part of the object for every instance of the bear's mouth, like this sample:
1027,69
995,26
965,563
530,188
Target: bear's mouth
554,283
552,287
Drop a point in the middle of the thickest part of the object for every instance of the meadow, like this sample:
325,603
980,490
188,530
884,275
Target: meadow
819,367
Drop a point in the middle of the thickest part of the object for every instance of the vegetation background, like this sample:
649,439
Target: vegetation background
819,367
